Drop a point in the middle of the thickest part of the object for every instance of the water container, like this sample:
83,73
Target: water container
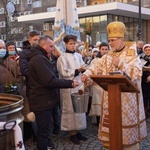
80,101
10,108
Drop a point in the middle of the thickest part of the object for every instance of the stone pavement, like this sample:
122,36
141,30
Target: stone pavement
62,141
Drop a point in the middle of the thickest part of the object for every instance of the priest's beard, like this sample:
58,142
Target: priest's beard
114,49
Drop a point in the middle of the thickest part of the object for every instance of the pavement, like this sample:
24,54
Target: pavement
62,142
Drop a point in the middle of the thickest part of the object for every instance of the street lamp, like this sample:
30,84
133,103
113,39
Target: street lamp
139,23
10,8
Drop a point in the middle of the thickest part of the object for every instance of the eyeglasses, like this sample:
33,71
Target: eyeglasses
113,40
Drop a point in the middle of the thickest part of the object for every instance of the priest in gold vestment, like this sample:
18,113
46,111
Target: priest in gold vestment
120,57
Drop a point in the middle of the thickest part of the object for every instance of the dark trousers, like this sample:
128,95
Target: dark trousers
56,116
43,125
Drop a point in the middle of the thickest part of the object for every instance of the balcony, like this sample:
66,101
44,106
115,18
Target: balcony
144,3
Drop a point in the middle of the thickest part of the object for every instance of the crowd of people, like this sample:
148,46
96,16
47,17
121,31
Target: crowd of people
45,80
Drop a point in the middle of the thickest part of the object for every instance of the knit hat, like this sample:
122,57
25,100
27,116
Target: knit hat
146,45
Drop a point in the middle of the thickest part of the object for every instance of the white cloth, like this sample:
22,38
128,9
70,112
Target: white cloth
66,65
66,22
133,116
19,145
97,93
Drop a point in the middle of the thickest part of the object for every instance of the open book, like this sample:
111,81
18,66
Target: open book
119,72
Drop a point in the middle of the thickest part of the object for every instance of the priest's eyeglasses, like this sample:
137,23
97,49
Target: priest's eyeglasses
113,40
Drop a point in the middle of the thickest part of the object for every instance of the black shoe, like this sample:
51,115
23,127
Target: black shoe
56,130
81,137
74,139
50,145
98,120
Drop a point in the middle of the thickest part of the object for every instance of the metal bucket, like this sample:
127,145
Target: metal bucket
10,108
80,102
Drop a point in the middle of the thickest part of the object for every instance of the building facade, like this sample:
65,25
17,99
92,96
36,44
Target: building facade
39,15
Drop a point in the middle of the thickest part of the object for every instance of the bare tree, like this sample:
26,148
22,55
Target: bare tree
13,29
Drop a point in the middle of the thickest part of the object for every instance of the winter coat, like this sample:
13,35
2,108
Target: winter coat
23,62
26,45
42,81
1,88
145,84
10,75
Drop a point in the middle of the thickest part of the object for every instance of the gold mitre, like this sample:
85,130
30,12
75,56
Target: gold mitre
116,29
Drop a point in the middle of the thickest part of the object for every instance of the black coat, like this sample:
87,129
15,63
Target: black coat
145,84
23,62
43,82
1,87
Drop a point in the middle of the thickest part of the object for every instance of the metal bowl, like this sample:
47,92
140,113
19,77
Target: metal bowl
10,107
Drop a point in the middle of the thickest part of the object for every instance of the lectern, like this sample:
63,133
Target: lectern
115,84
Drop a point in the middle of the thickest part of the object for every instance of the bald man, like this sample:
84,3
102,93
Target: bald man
2,44
140,48
43,95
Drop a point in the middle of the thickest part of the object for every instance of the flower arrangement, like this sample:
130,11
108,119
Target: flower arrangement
11,88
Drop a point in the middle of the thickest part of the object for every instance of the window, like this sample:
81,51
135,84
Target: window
29,1
16,1
2,24
16,30
37,4
13,30
30,28
12,19
50,9
20,29
1,10
146,3
41,32
3,37
46,26
19,44
27,12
